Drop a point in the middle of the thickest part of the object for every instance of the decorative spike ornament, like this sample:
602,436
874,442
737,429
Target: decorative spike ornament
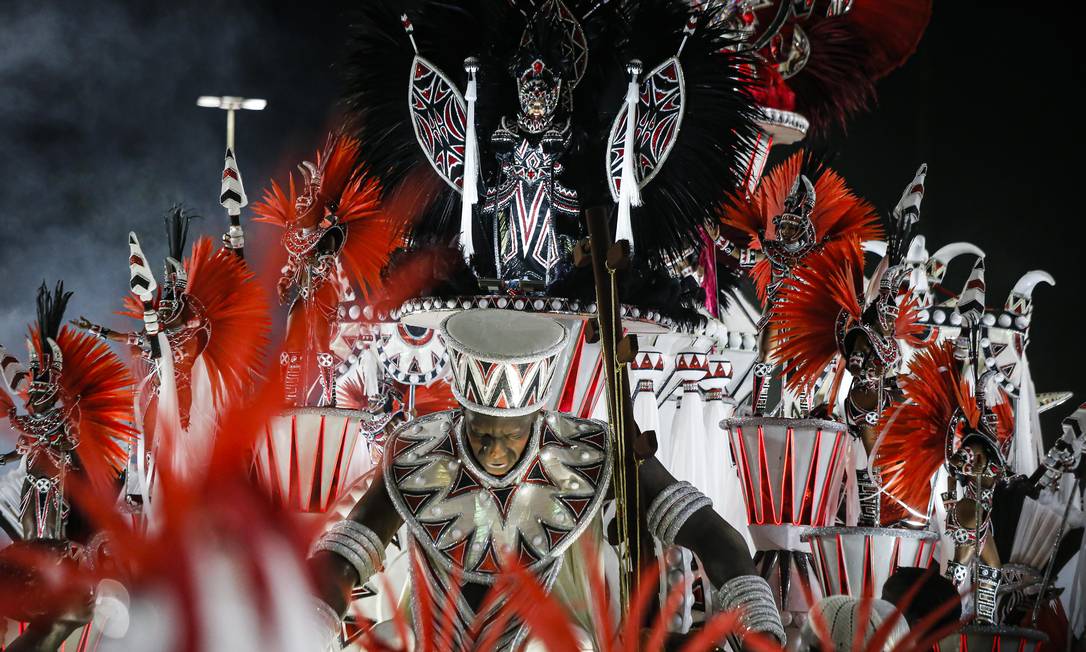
233,199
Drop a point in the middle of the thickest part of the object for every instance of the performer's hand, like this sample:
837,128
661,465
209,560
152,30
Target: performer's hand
82,323
283,289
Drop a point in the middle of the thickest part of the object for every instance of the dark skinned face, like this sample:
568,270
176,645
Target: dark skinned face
498,442
788,232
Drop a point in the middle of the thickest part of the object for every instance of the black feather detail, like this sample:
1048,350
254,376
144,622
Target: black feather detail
177,221
718,122
377,74
51,307
836,82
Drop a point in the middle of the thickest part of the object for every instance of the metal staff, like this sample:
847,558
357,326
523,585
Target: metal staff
606,259
230,104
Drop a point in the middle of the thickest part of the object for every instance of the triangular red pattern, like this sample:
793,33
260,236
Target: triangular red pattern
445,447
416,500
591,472
526,555
595,438
401,445
550,438
575,505
435,530
458,552
488,562
554,534
536,474
503,496
464,483
400,472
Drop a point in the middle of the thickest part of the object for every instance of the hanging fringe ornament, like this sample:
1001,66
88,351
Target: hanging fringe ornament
630,190
688,459
645,372
470,195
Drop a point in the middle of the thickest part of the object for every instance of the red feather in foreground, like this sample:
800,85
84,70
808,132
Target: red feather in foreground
916,430
237,314
807,316
97,382
838,213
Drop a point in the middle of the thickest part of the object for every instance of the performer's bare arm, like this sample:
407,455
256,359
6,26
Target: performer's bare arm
335,577
103,332
722,550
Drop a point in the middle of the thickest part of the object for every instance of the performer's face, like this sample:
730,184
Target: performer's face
788,231
498,442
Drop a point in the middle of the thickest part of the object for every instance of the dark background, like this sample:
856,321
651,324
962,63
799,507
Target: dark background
99,133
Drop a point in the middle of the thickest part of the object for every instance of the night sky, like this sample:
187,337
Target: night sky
99,134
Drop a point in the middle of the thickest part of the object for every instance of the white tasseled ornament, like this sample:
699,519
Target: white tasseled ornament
629,189
370,378
470,195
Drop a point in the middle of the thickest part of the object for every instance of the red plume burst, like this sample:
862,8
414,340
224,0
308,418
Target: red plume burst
100,386
915,431
370,233
237,314
806,317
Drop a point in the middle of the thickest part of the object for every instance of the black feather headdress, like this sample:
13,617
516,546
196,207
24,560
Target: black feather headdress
716,127
51,307
177,220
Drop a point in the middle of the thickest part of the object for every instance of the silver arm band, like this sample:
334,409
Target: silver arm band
358,545
671,508
677,518
752,597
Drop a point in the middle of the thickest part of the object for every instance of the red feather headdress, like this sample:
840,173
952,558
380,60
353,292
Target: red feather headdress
96,382
915,431
370,233
838,213
822,303
807,318
237,313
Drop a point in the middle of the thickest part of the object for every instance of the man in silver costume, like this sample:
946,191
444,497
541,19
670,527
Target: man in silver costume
502,479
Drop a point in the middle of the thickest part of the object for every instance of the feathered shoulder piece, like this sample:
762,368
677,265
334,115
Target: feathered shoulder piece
838,212
237,313
940,408
816,304
100,389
